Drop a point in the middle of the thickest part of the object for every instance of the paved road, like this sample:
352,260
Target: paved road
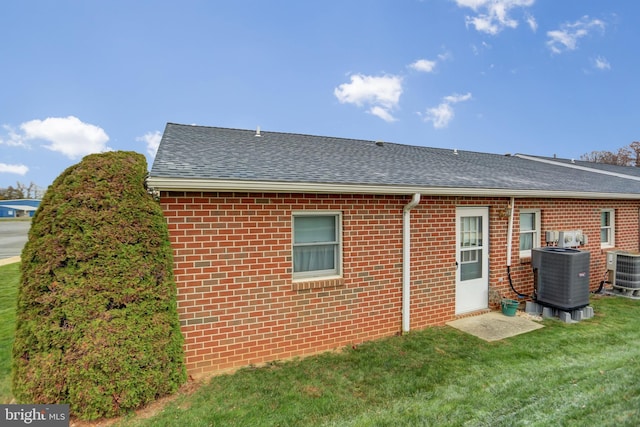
13,236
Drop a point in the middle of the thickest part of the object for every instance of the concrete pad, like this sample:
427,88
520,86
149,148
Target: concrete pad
11,260
495,326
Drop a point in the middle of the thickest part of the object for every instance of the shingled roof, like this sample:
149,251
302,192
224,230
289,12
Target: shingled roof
220,159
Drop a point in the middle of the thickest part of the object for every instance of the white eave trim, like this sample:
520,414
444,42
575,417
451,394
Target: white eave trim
193,184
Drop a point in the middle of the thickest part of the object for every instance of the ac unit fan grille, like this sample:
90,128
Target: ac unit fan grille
627,271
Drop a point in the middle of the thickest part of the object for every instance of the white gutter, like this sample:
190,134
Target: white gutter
406,261
194,184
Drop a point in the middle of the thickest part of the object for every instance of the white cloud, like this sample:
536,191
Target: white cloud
17,169
443,113
382,113
478,50
601,63
566,38
15,139
440,115
423,65
428,65
152,139
473,4
455,98
445,56
494,15
380,93
67,135
533,24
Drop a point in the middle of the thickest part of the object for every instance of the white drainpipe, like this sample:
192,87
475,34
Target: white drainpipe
406,261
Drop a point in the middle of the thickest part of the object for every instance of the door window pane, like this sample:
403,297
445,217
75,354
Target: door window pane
470,247
471,232
471,269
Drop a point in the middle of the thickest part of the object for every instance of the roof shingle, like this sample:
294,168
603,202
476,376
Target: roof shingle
213,153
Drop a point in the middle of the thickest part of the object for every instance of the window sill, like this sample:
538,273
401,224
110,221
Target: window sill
308,284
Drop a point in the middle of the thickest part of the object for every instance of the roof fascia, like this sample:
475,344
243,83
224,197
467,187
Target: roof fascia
193,184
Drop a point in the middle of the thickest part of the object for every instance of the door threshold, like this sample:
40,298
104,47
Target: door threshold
473,313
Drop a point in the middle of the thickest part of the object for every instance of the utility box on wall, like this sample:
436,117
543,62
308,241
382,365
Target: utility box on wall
561,277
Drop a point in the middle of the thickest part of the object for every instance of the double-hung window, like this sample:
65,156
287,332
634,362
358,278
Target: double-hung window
317,251
607,228
529,231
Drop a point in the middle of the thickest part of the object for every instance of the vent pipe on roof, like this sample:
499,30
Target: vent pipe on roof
258,132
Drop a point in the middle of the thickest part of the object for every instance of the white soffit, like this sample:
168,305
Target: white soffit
193,184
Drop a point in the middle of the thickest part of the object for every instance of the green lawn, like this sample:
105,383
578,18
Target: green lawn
9,279
580,374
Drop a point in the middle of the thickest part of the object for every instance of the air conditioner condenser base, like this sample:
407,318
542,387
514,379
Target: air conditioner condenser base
624,292
567,316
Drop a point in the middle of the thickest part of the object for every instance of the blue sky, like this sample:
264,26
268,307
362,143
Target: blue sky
539,77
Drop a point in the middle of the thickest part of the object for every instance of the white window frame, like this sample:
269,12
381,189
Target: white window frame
319,274
537,235
611,228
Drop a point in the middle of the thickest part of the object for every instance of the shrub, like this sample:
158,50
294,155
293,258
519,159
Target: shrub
97,324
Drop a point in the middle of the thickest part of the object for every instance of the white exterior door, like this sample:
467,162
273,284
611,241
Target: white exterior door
472,259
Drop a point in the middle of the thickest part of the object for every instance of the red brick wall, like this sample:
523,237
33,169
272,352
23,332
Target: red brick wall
238,304
568,214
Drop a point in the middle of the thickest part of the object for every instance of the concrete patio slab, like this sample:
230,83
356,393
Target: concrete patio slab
495,326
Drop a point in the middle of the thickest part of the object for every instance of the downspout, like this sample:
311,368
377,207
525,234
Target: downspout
406,261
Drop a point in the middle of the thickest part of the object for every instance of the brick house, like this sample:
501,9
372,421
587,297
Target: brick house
287,245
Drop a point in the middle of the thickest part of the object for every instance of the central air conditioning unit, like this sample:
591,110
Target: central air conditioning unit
561,277
625,271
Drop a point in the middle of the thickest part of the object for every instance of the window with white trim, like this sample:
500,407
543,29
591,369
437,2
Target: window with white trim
529,231
317,246
607,228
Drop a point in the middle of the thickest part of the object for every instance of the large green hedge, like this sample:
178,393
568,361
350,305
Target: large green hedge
97,324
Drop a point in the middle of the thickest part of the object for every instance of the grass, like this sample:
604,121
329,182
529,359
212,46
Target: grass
9,280
564,374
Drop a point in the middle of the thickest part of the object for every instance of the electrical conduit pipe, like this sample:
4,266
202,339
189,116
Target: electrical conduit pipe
510,231
406,261
509,239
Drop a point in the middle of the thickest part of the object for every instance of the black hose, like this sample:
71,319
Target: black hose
521,295
601,286
602,283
